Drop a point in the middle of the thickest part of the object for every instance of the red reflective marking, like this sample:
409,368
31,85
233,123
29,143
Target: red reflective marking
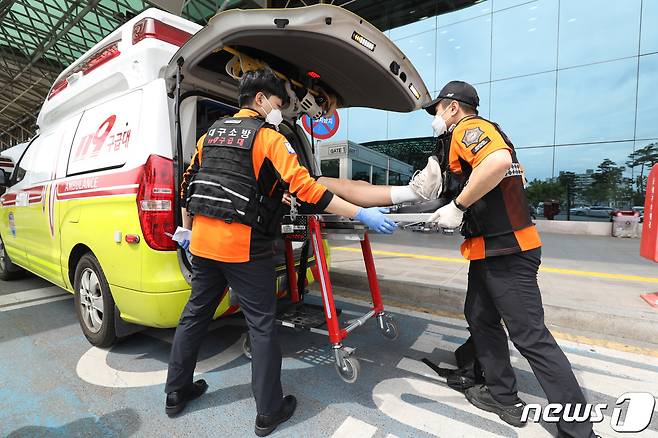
152,28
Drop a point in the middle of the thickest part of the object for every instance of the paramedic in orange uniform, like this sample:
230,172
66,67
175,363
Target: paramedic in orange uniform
504,250
233,189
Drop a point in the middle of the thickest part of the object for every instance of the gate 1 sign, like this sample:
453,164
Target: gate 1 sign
649,242
324,127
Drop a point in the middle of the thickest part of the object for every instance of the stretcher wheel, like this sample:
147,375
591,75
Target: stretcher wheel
349,370
390,328
246,346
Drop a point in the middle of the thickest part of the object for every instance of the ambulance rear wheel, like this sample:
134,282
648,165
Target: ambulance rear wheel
8,270
94,304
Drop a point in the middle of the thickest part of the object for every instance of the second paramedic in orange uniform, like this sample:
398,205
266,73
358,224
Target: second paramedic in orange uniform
233,187
504,250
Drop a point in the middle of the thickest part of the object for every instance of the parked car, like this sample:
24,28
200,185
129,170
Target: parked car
600,211
92,202
579,211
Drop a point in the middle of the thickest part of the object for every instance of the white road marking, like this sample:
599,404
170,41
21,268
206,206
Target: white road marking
352,427
37,302
93,368
389,397
31,295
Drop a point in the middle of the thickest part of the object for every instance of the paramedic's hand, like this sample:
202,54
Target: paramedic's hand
375,219
448,216
185,244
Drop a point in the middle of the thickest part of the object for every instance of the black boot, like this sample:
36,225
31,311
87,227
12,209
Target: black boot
481,398
265,424
177,400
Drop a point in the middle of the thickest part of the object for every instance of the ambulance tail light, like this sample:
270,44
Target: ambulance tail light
152,28
155,203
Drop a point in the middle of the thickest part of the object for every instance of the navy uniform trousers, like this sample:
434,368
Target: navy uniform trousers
506,287
254,283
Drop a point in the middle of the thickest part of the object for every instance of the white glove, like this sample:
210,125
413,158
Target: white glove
448,216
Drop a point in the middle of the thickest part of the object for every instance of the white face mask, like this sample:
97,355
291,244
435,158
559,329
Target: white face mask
274,117
438,124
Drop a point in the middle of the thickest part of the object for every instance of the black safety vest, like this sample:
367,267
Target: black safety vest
505,208
226,187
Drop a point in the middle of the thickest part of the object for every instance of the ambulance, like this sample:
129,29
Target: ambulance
93,201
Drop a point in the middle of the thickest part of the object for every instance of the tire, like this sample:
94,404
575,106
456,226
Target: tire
391,330
352,369
94,304
8,270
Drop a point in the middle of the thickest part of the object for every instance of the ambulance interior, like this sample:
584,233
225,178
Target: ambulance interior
200,110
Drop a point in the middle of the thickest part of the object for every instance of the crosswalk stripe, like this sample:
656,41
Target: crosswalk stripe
31,295
352,427
66,296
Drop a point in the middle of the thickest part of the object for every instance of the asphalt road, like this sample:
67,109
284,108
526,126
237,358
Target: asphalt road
53,383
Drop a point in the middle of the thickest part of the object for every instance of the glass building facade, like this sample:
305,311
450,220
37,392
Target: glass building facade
574,84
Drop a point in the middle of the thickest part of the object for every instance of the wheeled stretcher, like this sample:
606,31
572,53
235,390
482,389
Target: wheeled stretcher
311,229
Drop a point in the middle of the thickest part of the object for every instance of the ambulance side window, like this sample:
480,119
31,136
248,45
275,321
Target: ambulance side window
42,165
23,166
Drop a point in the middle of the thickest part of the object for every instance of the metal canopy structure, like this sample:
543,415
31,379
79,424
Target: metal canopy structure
39,38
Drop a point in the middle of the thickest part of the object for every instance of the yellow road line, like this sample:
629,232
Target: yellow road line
402,254
572,272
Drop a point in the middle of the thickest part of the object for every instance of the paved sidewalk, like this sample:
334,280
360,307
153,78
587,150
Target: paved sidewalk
589,283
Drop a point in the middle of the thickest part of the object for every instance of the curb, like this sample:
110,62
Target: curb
449,299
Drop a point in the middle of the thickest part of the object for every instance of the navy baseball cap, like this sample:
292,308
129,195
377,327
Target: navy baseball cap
455,90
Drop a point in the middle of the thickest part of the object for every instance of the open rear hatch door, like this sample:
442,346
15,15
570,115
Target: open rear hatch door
321,45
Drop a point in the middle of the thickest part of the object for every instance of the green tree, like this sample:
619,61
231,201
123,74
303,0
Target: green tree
540,191
644,158
608,185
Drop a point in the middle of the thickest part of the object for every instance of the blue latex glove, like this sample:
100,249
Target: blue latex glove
185,244
374,218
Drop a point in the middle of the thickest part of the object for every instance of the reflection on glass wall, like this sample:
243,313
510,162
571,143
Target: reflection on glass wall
378,175
594,32
647,97
330,168
649,36
360,171
524,40
572,83
464,51
596,102
528,120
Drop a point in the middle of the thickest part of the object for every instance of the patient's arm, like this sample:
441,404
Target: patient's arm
358,192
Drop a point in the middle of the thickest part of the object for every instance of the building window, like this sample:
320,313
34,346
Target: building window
524,40
360,171
529,121
378,175
591,33
596,103
330,168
